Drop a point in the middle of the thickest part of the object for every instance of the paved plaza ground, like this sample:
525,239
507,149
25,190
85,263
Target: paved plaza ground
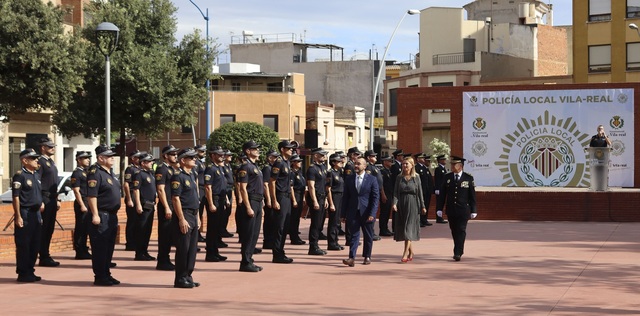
509,268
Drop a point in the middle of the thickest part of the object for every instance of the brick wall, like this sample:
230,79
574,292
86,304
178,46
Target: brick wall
552,51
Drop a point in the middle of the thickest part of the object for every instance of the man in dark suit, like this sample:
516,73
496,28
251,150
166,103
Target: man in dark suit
359,206
438,175
458,193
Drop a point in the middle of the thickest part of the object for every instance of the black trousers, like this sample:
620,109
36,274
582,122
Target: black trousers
164,236
226,213
103,242
317,221
130,230
214,235
296,213
186,245
281,219
267,227
80,234
427,200
27,239
144,226
458,226
334,220
203,204
249,230
48,225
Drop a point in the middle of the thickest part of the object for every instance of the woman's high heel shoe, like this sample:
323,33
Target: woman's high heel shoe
404,260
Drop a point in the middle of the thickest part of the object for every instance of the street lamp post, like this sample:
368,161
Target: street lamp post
108,35
382,66
208,105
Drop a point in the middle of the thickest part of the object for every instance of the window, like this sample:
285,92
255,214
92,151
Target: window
296,124
633,8
186,129
600,58
633,56
270,121
599,10
442,84
227,118
215,85
274,87
393,102
235,86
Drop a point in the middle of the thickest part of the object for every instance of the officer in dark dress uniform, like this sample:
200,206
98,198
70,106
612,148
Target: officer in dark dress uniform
458,198
316,199
349,168
143,185
216,200
280,190
49,179
438,175
249,211
335,189
297,203
267,225
372,157
229,175
428,187
200,167
26,192
386,200
132,216
81,205
185,221
104,202
164,172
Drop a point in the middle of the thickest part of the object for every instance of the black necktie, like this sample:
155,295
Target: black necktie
457,177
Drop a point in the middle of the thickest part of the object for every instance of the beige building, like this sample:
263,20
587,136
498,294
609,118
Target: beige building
335,129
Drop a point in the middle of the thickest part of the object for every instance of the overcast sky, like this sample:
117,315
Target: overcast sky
356,25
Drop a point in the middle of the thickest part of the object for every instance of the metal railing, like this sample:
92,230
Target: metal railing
456,58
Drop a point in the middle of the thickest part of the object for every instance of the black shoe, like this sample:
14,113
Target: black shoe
349,262
367,261
165,266
249,268
183,285
226,235
150,257
457,257
441,221
322,237
112,265
83,255
215,258
222,244
376,237
257,251
316,252
298,242
114,280
428,224
335,247
341,232
28,278
142,257
284,259
103,282
201,239
386,233
423,225
129,248
48,262
195,284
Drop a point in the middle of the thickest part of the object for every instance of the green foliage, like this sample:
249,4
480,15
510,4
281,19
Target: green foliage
233,135
41,67
438,147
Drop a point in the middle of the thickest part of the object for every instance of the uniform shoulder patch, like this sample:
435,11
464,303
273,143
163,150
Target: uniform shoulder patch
92,183
136,183
368,171
17,185
347,172
19,172
158,176
175,184
242,173
275,170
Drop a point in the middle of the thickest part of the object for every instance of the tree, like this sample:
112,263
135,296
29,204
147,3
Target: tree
437,148
41,67
233,135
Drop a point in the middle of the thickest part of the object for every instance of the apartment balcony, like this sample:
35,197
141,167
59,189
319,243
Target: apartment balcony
455,58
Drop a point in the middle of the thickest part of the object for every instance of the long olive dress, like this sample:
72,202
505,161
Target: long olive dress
408,200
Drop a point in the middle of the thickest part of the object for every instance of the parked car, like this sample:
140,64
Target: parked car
64,189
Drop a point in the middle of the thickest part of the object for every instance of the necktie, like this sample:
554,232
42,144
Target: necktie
358,183
457,177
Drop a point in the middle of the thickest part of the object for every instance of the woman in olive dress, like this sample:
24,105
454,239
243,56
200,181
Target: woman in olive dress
407,203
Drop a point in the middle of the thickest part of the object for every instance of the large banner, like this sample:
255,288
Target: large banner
537,138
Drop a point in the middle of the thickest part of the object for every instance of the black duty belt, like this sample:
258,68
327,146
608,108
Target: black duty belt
336,192
256,197
191,211
284,194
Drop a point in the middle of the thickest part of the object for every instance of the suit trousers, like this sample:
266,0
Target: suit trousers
164,235
427,200
458,226
224,216
80,229
281,219
103,242
186,245
267,228
27,239
248,229
213,225
385,213
144,226
296,213
317,220
48,226
334,220
355,224
132,224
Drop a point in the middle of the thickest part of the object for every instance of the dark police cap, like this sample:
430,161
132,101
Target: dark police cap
286,144
103,150
319,151
456,159
335,157
146,157
250,145
420,155
341,153
83,154
201,147
354,150
407,155
228,153
217,150
386,158
441,157
29,152
46,141
169,149
135,153
295,158
187,152
397,152
272,153
370,153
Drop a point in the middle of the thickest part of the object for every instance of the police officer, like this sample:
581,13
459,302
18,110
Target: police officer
386,200
426,179
439,174
132,216
185,221
229,175
27,205
104,202
267,225
164,172
281,191
335,189
297,201
81,204
200,167
316,199
49,177
143,185
249,211
458,198
216,201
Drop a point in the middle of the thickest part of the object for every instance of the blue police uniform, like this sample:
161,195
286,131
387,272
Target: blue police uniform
299,188
249,226
49,177
214,178
335,183
317,173
27,186
185,186
82,219
164,172
224,216
144,181
281,175
132,215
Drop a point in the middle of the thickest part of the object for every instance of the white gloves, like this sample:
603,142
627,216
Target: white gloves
439,213
474,215
437,192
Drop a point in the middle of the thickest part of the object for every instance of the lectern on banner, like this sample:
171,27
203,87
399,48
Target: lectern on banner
536,138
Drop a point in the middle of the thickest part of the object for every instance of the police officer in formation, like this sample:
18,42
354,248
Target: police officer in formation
216,200
439,175
281,190
386,198
316,199
27,204
249,211
229,175
81,205
199,169
267,225
132,216
49,178
372,157
428,187
163,173
104,202
298,199
335,189
143,185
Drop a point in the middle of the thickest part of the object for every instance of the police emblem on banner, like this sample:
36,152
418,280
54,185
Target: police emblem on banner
175,184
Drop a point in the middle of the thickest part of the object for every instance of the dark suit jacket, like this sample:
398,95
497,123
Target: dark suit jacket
369,197
459,198
438,173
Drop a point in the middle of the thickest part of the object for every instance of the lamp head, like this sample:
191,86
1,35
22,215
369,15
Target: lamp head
633,26
413,12
107,37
